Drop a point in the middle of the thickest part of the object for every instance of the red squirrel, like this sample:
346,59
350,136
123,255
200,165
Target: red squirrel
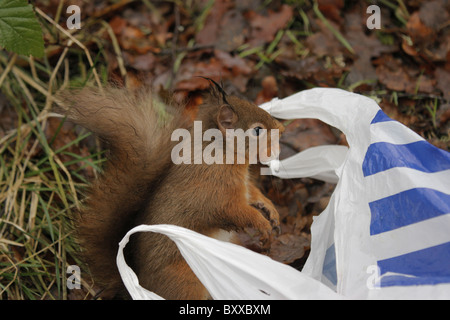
141,185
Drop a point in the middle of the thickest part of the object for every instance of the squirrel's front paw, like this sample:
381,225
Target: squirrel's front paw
265,232
269,223
270,213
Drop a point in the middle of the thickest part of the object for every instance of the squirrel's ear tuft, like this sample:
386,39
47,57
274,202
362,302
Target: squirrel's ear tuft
226,118
216,91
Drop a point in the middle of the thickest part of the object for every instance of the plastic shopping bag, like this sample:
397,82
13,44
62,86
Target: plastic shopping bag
385,233
227,270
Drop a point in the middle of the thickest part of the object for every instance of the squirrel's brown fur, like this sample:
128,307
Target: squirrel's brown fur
141,185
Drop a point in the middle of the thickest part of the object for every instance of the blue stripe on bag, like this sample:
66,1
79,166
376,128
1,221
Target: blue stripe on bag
407,207
419,155
381,117
329,265
423,267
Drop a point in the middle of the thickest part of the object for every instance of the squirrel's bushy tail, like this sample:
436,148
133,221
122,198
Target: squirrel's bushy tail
136,129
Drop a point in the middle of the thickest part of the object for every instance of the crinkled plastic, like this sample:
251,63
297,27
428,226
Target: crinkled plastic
384,234
227,270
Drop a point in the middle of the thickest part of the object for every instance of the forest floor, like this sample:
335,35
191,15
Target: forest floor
258,49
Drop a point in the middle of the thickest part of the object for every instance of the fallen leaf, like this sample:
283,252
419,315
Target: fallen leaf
300,69
117,24
235,64
418,31
132,38
394,113
142,62
399,77
409,48
441,50
289,247
331,9
209,34
366,47
434,14
323,42
443,115
263,28
297,223
443,82
302,134
311,69
269,90
220,66
233,31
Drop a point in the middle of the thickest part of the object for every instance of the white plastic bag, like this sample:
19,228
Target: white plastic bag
227,270
384,235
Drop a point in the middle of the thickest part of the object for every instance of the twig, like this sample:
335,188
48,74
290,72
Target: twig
187,49
111,8
48,247
116,46
86,51
174,43
48,102
176,31
27,125
8,68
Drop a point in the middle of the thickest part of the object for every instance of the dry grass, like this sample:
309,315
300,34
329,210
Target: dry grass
43,175
40,184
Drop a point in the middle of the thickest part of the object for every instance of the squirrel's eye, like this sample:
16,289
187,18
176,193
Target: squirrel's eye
257,131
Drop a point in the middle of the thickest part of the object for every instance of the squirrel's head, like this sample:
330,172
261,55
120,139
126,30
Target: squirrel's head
235,116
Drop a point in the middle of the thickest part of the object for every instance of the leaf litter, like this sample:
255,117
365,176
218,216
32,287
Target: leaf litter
265,49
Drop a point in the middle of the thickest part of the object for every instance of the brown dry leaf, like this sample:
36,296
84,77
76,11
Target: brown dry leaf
225,27
211,28
443,82
305,133
393,112
409,48
428,32
235,64
399,80
331,9
133,80
418,31
142,62
300,69
220,66
157,21
366,47
264,28
310,69
443,115
117,24
434,14
187,78
269,90
233,31
130,37
400,77
323,42
289,247
440,52
296,224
